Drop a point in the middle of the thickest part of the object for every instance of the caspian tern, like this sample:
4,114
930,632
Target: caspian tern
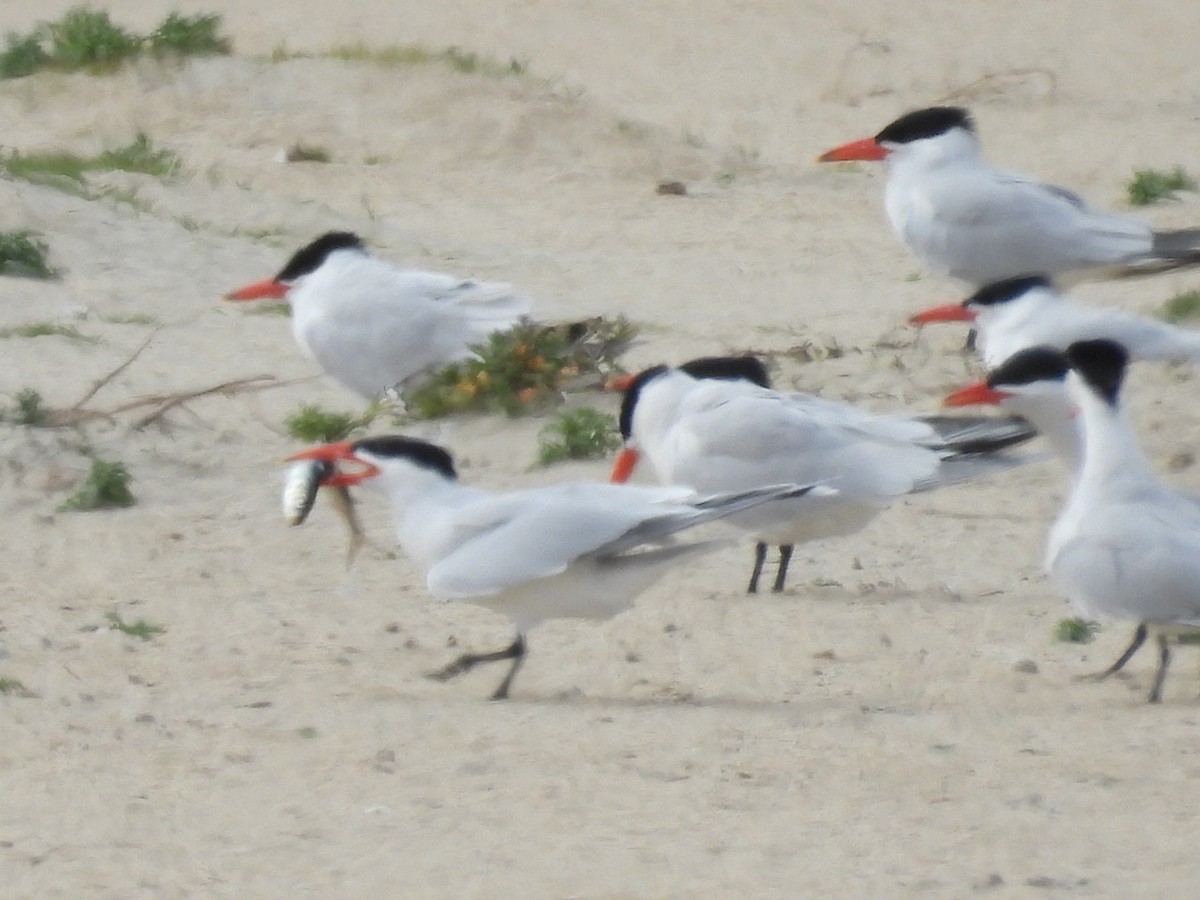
563,551
1125,546
714,425
1032,383
1027,312
962,217
374,327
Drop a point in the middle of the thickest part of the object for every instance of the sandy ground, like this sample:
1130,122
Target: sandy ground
899,723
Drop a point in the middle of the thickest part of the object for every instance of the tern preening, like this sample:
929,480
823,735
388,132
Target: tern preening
375,327
963,218
714,425
562,551
1019,313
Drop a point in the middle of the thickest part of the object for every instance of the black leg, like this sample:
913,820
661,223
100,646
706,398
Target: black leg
760,557
1164,660
785,557
1139,638
465,663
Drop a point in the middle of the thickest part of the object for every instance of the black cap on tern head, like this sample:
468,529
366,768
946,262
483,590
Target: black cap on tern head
925,123
1030,365
417,451
629,401
1002,291
730,368
1101,364
308,259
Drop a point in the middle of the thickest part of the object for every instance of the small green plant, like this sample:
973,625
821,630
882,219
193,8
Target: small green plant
1182,307
45,329
30,409
307,732
314,425
398,55
139,629
130,319
181,35
23,254
282,308
308,153
12,687
106,487
1188,638
23,55
1075,631
89,38
583,433
523,370
1152,185
139,156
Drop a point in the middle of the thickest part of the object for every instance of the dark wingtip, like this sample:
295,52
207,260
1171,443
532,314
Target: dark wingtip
422,453
308,258
925,123
1101,364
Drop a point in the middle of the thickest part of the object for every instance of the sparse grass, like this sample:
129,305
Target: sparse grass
139,629
314,425
130,319
1152,185
12,687
1182,307
23,255
67,171
179,35
45,329
401,55
30,408
308,153
522,370
1075,631
88,39
282,308
106,487
583,433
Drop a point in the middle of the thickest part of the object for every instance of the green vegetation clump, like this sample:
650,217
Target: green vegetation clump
1152,185
139,629
400,55
523,370
583,433
23,55
314,425
197,35
1075,631
23,254
30,408
1182,307
106,487
308,153
12,687
88,39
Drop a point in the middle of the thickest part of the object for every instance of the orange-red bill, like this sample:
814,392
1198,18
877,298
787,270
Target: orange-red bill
951,312
340,452
976,394
864,150
624,465
619,383
260,290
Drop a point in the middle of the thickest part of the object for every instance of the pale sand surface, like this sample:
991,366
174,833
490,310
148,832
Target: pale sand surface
869,733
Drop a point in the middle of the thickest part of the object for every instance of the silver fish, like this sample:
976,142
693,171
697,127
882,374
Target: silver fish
300,485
